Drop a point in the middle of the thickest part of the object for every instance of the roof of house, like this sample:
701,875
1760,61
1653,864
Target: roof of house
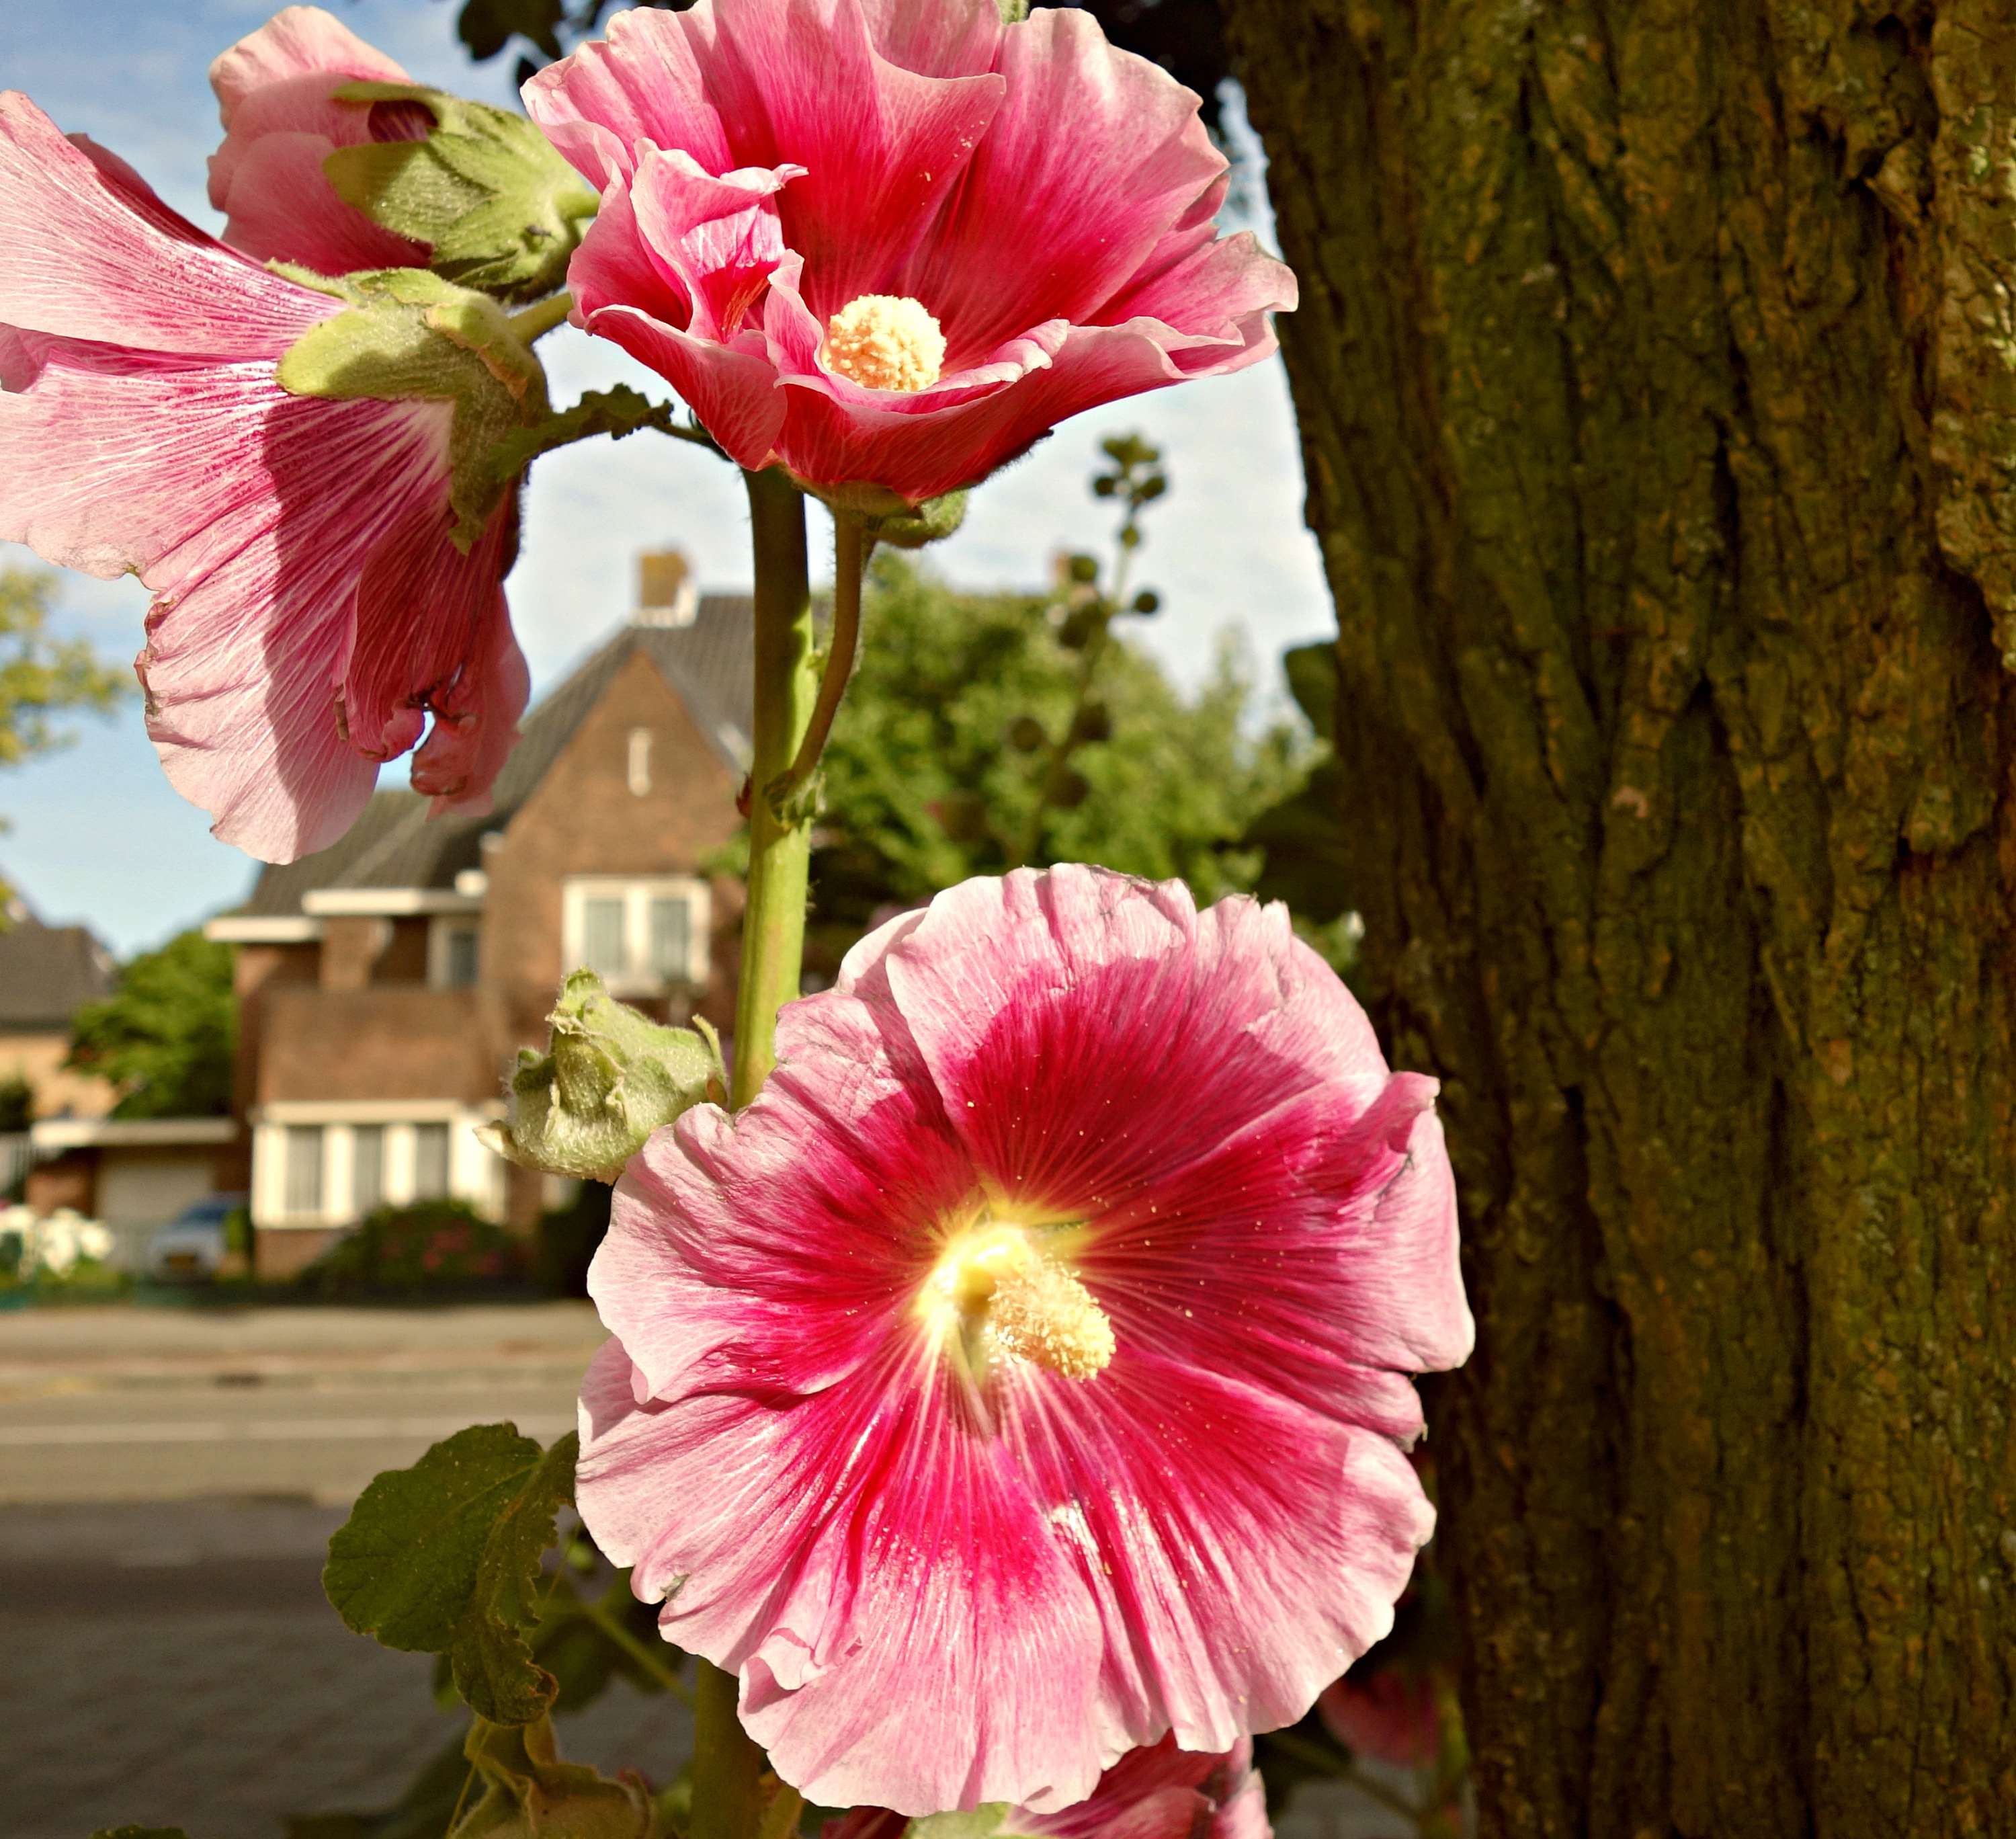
48,973
393,844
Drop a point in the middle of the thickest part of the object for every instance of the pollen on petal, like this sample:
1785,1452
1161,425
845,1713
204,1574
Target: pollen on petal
886,341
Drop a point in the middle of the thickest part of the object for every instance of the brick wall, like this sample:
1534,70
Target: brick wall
389,1042
585,819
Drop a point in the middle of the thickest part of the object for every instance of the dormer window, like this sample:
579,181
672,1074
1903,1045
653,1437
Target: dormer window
639,935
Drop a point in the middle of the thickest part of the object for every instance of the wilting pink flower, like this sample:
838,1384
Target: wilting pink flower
892,244
1160,1792
276,94
309,607
1024,1374
1391,1715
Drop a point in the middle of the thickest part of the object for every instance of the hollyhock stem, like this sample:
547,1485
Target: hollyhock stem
536,321
727,1766
851,545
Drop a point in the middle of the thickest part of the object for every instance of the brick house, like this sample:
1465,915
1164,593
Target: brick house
385,983
47,974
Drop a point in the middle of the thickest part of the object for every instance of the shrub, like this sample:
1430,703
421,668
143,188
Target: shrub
430,1245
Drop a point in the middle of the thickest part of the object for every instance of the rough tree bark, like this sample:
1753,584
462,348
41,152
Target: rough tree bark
1656,375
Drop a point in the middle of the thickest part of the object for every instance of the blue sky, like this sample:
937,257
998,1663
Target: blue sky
95,834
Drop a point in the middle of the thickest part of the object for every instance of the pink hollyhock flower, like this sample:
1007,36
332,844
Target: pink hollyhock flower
276,94
1160,1792
1024,1374
1390,1715
310,609
891,245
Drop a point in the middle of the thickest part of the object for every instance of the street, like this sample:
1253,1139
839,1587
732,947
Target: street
168,1482
169,1479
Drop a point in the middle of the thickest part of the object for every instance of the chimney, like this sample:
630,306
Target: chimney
666,595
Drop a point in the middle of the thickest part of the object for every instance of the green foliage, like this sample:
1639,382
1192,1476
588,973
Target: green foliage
610,1076
499,209
167,1033
17,1104
425,1244
531,1793
444,1557
929,778
41,677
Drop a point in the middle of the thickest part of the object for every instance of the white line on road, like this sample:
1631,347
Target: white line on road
259,1430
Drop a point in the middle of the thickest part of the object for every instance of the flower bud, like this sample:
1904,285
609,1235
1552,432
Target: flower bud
610,1077
489,194
410,335
932,521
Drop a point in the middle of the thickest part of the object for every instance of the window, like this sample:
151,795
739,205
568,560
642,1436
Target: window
454,953
638,936
304,1169
429,1161
602,941
671,936
640,762
367,1168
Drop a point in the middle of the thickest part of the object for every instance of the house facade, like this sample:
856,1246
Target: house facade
47,974
386,984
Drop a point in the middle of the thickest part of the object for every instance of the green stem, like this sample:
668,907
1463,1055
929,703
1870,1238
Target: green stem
727,1766
610,1622
537,320
850,549
773,923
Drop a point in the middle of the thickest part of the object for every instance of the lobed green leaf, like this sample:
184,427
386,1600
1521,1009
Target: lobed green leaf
444,1557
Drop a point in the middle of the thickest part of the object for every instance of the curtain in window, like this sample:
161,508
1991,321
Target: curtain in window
367,1168
602,936
304,1169
429,1161
671,936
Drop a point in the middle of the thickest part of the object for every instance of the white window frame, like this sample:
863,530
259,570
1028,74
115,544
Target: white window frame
637,892
476,1173
440,933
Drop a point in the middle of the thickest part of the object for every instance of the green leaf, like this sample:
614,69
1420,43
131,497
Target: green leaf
610,1077
1308,854
444,1557
499,208
486,27
984,1822
409,336
1312,682
531,1793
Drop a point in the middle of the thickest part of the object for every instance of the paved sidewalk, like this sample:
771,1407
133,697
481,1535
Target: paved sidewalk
176,1665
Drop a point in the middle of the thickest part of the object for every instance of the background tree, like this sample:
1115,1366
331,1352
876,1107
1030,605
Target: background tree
1653,371
166,1035
43,678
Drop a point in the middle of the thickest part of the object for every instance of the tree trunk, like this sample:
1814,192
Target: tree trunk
1657,374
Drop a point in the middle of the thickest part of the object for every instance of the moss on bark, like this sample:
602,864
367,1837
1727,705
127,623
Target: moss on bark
1657,374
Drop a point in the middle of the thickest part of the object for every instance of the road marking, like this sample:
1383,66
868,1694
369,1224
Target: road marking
260,1430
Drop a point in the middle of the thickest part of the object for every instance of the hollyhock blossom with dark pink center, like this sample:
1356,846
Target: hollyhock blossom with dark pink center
310,609
891,242
1160,1792
276,94
1024,1373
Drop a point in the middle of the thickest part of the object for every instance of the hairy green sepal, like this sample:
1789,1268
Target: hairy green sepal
530,1793
499,208
932,521
610,1077
989,1820
409,336
444,1557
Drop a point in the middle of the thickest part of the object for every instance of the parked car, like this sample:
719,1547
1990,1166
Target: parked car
195,1242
